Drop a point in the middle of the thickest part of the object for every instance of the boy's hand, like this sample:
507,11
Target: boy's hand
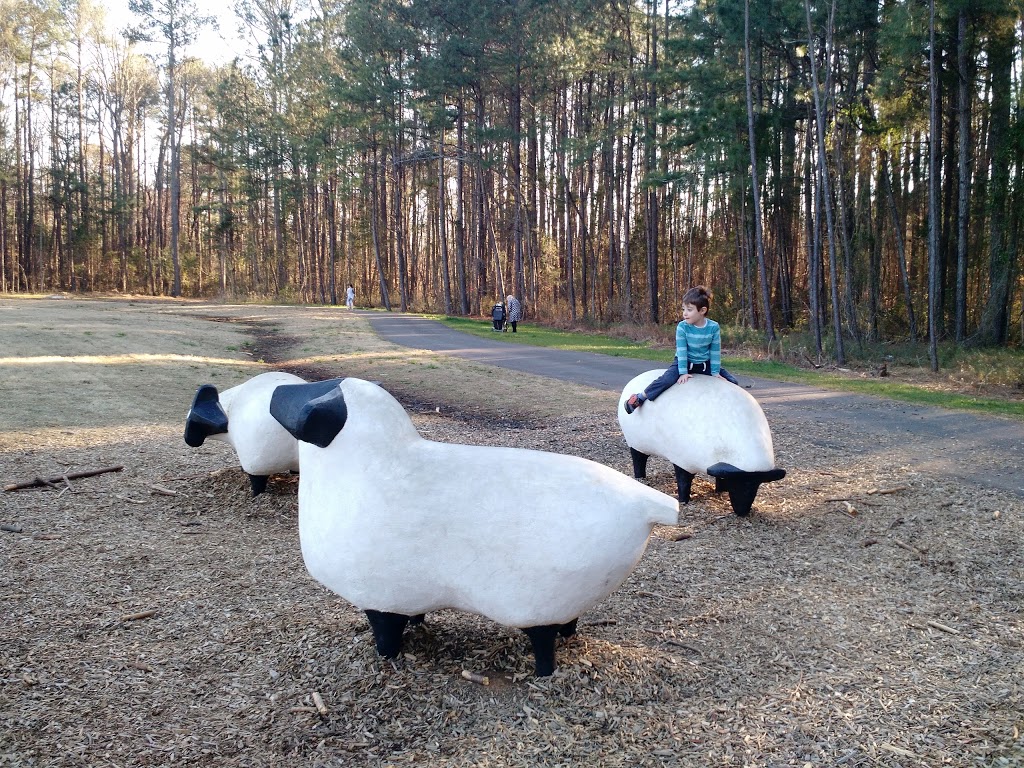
684,378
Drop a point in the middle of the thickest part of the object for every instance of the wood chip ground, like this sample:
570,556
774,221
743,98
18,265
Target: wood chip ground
863,615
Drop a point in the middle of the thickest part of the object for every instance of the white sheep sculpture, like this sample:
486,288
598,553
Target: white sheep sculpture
399,525
705,425
240,417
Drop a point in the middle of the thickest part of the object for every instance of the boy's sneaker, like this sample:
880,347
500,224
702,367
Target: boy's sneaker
634,402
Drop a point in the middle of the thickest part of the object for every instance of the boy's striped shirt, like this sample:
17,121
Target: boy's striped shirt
699,345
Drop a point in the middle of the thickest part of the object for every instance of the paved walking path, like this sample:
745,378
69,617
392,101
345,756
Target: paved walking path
988,451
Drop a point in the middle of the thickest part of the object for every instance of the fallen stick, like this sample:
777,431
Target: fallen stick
129,499
160,490
35,482
476,677
141,615
657,596
850,511
898,750
881,491
214,473
319,703
943,628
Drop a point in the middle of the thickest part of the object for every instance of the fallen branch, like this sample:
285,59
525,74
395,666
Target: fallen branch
850,511
214,473
881,491
129,499
138,616
476,677
904,545
898,750
943,628
320,706
813,364
657,596
52,481
161,491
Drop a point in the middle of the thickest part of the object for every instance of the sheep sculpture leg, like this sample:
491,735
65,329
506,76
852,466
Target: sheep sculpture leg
543,641
387,632
741,497
639,463
258,483
684,481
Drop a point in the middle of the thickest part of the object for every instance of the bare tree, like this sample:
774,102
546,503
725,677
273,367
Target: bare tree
933,194
176,22
822,172
766,306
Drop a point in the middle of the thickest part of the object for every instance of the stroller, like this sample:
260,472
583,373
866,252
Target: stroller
498,317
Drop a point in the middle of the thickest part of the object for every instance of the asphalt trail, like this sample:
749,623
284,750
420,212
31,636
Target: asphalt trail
988,451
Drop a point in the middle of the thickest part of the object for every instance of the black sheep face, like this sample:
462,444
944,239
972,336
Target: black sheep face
206,418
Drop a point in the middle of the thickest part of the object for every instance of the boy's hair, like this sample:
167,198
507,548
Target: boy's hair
699,296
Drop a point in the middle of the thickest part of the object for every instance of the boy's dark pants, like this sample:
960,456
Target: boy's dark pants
671,376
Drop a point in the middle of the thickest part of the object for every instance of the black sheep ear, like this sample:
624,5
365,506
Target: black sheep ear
313,413
206,417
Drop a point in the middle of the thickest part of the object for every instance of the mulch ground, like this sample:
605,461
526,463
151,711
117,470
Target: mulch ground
863,615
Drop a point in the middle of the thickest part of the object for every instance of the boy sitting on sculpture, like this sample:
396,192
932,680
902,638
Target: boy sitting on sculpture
698,349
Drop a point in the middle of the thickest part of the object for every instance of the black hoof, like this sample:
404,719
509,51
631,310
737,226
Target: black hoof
639,463
741,497
568,629
387,632
258,483
684,481
543,641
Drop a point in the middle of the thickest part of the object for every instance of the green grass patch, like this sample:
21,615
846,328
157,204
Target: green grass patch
539,336
893,390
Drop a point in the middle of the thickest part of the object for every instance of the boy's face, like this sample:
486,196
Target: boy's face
692,315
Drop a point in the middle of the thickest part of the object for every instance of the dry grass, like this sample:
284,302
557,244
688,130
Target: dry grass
864,615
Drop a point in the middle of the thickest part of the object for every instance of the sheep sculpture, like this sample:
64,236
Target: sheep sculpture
240,417
400,526
706,425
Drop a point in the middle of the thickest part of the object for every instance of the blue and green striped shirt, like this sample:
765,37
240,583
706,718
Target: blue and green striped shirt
699,345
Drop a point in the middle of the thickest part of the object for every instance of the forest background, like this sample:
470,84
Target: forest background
852,170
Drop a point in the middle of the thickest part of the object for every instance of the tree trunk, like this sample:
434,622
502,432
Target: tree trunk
994,320
823,176
755,184
963,177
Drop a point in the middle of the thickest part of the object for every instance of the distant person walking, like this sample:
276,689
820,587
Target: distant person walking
515,311
350,296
